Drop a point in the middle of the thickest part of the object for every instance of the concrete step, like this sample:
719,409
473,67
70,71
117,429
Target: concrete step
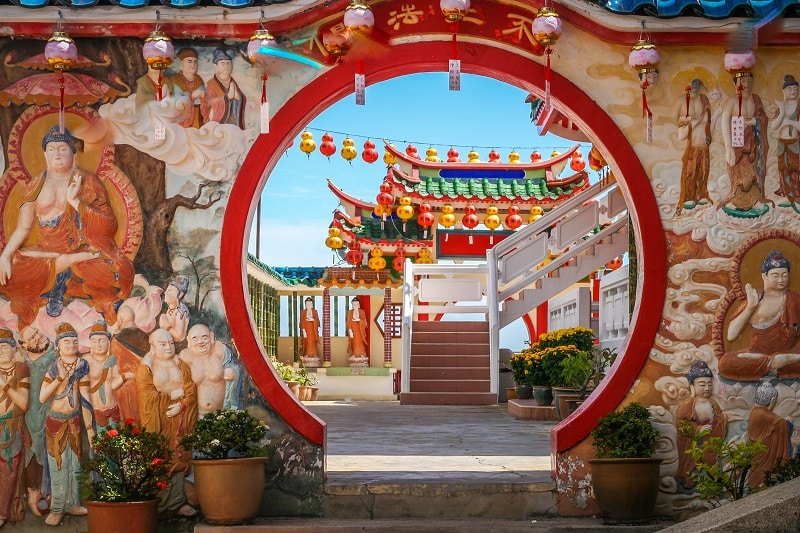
448,398
448,325
439,360
449,373
407,525
439,346
439,500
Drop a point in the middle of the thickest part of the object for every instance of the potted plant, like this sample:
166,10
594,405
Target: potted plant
523,366
625,476
287,374
229,456
121,482
584,371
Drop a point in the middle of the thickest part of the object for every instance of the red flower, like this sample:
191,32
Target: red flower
130,421
157,461
136,431
112,433
162,485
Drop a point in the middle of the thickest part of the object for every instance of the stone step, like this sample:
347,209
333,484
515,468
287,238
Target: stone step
448,325
437,360
448,398
449,373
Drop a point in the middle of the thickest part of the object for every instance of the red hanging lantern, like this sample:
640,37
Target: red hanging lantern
577,164
536,156
399,260
494,157
470,219
327,148
369,154
614,263
425,219
513,220
452,156
354,255
547,29
411,151
385,200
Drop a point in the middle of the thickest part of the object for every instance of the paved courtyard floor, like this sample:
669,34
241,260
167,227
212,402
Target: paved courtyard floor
386,441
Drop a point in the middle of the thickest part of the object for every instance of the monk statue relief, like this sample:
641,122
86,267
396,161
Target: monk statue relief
309,330
772,317
63,244
357,333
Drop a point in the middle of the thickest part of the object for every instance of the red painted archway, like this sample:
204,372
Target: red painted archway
483,59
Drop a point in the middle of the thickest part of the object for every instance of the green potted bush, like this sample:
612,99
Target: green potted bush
229,449
584,372
625,476
527,372
129,467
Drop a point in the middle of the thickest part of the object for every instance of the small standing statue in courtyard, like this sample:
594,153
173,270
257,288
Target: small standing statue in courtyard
357,332
309,330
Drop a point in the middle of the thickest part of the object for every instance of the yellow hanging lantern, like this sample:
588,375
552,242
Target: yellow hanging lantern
432,155
473,157
349,151
388,157
513,157
376,260
492,220
405,211
447,218
307,144
536,214
334,241
424,256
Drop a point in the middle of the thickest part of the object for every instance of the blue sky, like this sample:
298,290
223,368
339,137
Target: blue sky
296,204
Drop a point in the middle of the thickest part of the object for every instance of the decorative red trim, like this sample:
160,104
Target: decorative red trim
502,65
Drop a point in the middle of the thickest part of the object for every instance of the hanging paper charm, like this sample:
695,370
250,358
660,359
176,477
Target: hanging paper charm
547,29
454,11
644,59
739,64
358,17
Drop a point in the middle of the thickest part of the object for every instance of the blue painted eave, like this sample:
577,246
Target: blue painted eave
712,9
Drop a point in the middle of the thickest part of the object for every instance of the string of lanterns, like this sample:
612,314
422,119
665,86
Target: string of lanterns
369,153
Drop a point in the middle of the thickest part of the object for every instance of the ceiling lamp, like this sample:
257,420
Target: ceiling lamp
547,29
61,54
358,17
158,52
454,10
258,49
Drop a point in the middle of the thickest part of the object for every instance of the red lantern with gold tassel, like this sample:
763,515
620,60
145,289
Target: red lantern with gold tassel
513,220
369,153
385,199
399,259
470,219
425,219
327,148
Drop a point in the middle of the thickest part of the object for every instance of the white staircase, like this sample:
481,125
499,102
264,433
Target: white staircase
521,272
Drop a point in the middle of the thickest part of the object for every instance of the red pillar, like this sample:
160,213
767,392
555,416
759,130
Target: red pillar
542,314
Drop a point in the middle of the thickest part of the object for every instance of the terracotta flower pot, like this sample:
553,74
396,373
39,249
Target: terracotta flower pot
229,490
314,394
626,489
122,517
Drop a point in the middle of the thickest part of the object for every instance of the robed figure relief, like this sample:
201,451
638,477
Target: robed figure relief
62,245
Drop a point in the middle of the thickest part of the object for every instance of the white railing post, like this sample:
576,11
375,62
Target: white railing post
494,320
